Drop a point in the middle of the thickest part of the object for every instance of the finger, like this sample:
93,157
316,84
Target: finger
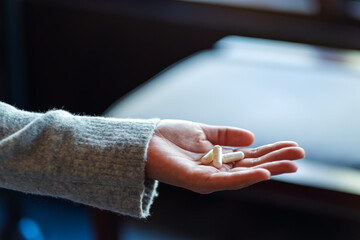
280,167
288,153
232,180
228,136
265,149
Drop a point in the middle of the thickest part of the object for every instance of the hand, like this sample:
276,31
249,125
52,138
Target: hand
176,148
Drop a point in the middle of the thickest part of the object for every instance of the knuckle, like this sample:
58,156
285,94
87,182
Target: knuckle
253,162
254,151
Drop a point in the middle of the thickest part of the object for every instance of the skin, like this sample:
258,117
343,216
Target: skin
177,146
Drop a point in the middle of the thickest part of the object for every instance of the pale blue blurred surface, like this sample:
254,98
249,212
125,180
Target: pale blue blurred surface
278,90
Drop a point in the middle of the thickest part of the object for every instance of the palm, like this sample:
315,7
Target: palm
177,146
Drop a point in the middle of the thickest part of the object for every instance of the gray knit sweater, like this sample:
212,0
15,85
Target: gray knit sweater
91,160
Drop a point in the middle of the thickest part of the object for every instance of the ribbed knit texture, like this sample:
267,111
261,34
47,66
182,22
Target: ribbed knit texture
91,160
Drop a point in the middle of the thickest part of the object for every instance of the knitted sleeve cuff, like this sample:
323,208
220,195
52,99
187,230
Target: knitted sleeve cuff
92,160
122,161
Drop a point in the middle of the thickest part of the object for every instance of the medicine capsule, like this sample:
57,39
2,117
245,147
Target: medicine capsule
217,156
207,158
233,156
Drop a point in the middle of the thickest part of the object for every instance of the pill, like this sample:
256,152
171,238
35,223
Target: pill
217,156
207,158
233,156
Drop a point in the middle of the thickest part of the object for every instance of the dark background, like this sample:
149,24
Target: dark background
83,55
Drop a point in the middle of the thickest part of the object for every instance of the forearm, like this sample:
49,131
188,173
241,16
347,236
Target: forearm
92,160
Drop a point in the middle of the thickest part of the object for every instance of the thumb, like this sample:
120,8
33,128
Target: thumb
228,136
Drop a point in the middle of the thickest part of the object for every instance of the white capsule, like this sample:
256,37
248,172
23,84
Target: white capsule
233,156
207,158
217,156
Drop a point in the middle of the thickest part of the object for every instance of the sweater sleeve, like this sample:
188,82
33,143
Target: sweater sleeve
91,160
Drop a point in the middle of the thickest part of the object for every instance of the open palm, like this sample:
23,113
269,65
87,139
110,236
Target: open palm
176,148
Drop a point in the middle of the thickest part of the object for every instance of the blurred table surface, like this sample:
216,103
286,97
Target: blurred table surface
279,91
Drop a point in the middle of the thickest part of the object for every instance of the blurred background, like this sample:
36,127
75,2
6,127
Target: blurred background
83,55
